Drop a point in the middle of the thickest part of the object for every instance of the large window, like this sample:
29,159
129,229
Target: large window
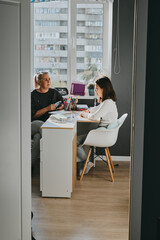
89,33
51,40
72,40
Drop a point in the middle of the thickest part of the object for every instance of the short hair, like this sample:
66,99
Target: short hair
106,85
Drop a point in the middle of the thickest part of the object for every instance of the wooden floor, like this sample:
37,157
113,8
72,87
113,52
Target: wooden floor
98,209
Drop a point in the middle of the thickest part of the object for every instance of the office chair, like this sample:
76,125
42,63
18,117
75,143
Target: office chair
62,90
105,138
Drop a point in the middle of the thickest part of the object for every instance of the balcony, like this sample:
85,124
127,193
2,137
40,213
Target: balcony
52,65
54,53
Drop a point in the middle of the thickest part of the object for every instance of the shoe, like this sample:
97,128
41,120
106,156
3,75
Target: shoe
33,238
89,166
80,166
31,215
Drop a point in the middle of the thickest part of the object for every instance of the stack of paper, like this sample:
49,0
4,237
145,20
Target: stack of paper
58,117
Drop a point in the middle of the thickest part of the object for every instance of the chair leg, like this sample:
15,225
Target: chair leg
85,165
110,169
113,169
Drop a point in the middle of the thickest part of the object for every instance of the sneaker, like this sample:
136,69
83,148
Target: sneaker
33,238
80,166
89,166
31,215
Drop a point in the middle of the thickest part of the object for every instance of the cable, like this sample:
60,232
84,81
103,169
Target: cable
117,55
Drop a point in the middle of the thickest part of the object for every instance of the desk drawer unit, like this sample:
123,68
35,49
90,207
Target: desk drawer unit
41,163
57,167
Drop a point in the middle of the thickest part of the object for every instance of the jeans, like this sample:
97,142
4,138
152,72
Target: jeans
81,154
36,135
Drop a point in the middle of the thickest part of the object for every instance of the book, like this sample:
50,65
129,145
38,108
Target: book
81,107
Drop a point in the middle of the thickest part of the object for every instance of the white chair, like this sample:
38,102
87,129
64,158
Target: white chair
104,137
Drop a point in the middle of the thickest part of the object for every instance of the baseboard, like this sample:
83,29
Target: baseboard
121,158
117,158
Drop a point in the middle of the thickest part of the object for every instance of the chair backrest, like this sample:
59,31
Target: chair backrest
122,119
104,137
119,122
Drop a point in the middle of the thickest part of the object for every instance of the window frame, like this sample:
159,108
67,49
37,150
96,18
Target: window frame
71,56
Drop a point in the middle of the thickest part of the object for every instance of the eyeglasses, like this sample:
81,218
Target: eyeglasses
46,79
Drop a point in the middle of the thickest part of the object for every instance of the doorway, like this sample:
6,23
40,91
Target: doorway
124,105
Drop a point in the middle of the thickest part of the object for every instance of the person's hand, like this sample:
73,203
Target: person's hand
61,107
52,107
81,114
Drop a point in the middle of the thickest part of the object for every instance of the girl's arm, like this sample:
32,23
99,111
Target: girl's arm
93,109
90,110
98,113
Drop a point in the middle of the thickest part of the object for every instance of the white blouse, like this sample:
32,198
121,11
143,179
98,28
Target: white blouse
106,112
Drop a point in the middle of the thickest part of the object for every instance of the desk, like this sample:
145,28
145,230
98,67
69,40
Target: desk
58,157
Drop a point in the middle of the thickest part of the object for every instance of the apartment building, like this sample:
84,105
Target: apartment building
51,40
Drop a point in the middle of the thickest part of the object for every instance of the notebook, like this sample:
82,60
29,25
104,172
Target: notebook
81,107
78,89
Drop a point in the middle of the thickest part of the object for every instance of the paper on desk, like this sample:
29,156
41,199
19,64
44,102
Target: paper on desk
61,112
63,124
82,119
72,114
79,118
59,117
56,112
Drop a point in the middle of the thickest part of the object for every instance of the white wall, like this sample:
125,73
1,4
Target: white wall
10,122
15,179
26,118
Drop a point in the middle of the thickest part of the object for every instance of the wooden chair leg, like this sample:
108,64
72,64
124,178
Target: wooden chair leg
85,165
110,169
113,169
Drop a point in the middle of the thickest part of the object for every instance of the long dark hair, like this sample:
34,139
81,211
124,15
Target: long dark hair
108,91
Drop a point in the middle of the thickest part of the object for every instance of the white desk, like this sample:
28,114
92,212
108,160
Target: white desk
58,155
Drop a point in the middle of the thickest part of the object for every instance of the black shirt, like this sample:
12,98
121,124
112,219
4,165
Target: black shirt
42,100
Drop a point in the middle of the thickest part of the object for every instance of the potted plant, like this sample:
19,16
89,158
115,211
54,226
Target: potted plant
90,87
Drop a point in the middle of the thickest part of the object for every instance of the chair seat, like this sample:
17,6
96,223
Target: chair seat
101,137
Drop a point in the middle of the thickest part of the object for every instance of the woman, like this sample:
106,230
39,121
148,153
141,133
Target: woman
105,112
43,100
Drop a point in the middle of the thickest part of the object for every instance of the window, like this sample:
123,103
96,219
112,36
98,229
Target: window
72,40
51,40
89,32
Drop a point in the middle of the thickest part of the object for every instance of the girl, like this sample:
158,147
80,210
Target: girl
105,112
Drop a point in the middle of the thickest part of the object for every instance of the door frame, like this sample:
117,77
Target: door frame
138,111
138,114
25,70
